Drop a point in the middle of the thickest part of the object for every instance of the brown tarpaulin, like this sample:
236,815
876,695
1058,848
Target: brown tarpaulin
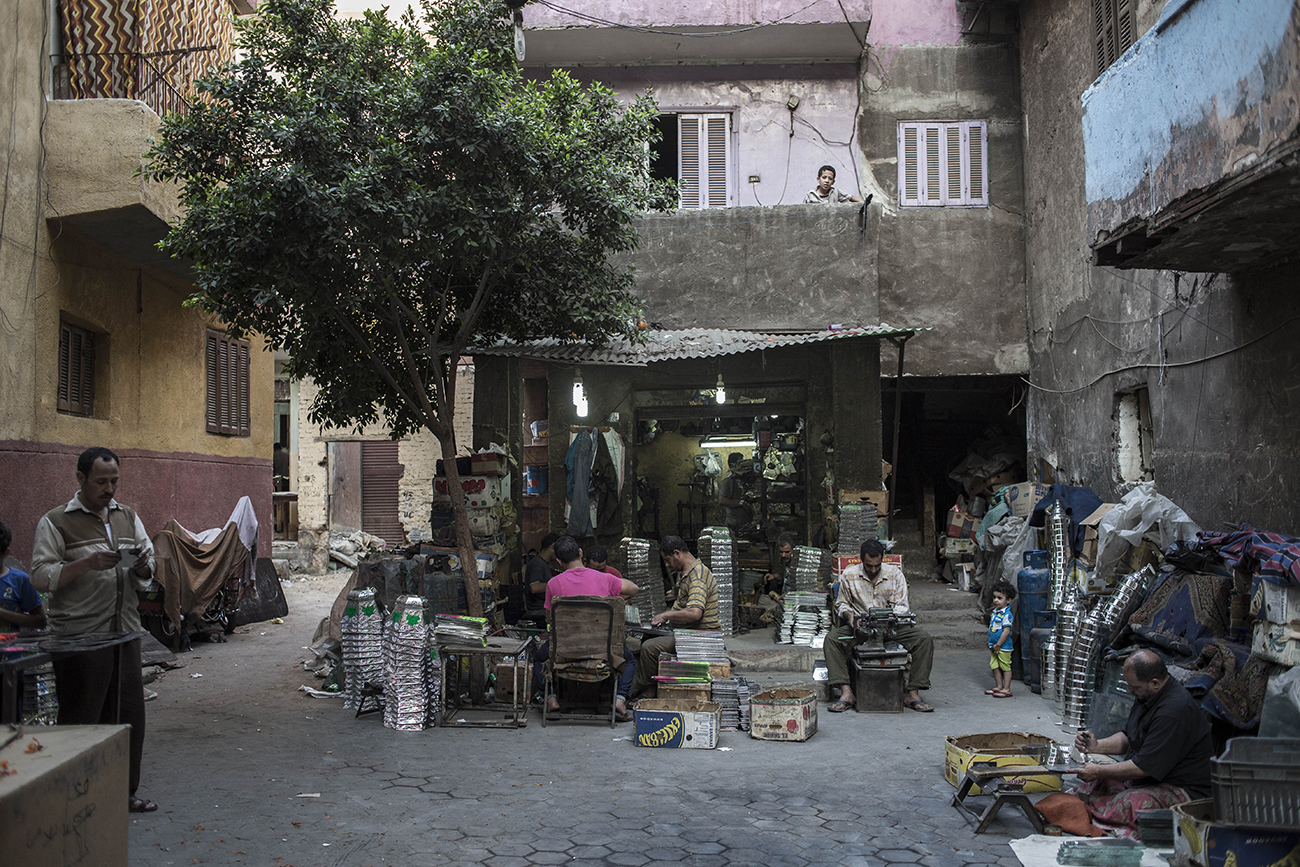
192,572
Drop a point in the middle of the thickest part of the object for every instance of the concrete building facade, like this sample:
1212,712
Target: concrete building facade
1161,172
98,347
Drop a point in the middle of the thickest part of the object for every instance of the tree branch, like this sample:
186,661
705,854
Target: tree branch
421,392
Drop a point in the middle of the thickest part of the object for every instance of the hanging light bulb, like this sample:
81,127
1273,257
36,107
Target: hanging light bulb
579,393
722,390
582,408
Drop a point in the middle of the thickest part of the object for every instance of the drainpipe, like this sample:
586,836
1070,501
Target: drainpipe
899,340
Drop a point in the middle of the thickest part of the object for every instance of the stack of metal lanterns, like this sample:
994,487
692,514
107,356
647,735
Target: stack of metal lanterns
406,664
718,552
361,627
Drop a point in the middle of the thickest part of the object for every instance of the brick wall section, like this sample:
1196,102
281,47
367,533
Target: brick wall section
418,454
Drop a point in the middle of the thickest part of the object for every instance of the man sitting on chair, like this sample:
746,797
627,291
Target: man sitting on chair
578,580
696,607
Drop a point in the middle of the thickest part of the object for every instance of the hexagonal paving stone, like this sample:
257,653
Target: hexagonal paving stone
552,844
514,849
702,847
627,859
899,856
665,853
506,861
548,858
585,853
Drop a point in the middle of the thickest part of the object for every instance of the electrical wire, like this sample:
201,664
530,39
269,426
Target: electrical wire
1161,364
708,34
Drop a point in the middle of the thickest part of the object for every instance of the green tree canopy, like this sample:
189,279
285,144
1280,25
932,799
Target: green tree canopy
375,196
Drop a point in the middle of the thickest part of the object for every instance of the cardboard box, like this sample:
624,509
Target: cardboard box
957,547
783,715
66,803
1277,642
687,692
1001,748
1088,556
961,525
840,562
1281,602
1022,498
481,492
677,724
488,464
879,498
1198,839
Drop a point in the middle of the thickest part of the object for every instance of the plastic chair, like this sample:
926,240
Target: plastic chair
586,636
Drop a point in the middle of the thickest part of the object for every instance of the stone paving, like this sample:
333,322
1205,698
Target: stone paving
229,754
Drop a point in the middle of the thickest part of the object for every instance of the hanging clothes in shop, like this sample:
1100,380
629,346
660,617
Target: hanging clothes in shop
605,484
577,464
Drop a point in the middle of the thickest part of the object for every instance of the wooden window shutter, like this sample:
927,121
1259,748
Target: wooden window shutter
212,408
909,152
1112,30
719,162
76,388
242,391
977,159
227,411
688,150
933,191
1123,26
953,187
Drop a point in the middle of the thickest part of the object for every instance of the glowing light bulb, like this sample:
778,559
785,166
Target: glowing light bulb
722,390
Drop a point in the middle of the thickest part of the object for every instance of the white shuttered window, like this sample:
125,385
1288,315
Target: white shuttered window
704,160
943,164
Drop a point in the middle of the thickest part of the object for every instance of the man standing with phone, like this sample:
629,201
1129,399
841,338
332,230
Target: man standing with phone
92,556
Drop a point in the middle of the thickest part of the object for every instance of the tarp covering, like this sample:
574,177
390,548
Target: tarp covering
191,567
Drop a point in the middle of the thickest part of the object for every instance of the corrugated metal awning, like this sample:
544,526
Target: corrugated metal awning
683,344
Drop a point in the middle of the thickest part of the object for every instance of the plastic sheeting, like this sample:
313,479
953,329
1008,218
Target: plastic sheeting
1281,716
1142,514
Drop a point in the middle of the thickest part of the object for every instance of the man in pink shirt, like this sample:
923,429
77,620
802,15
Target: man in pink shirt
578,580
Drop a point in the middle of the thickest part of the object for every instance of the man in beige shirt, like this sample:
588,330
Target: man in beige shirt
92,555
876,585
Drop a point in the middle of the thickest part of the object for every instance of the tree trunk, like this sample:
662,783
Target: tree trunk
460,519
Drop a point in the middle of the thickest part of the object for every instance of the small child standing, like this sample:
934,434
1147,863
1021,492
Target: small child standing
1000,643
20,604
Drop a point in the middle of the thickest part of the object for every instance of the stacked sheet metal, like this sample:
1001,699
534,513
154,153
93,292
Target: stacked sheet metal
700,645
804,617
433,678
718,552
732,696
461,630
406,666
858,523
643,568
40,701
810,568
362,627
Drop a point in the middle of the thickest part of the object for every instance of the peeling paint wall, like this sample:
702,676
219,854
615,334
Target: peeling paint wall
1212,349
1207,92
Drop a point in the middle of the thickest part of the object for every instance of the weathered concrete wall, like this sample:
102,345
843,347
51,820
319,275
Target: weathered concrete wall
756,96
797,267
1211,349
960,270
418,454
1205,94
685,13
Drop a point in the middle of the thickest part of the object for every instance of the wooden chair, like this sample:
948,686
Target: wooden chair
586,635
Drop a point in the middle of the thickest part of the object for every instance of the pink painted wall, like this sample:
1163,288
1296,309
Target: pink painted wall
688,13
199,491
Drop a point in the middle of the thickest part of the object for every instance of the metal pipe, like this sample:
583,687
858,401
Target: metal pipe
900,341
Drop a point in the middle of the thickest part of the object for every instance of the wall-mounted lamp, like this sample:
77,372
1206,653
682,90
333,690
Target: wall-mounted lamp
721,395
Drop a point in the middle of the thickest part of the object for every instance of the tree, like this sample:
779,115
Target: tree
376,196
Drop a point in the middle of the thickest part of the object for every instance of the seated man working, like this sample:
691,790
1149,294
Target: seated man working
696,607
875,585
781,580
537,572
1166,746
578,580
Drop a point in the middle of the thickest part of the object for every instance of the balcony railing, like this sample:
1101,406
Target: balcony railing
162,80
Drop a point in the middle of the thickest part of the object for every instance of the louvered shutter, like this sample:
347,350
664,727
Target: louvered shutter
719,165
76,387
932,192
228,362
952,183
381,476
977,188
1112,30
688,150
909,172
212,410
241,393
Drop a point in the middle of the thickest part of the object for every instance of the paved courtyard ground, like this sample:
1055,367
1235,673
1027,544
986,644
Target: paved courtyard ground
229,755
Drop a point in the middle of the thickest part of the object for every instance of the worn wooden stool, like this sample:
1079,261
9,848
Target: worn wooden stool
991,779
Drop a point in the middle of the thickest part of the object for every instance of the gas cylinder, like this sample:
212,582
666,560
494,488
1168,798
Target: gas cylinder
1033,593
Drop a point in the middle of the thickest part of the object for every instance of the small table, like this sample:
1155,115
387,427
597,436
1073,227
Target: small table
449,703
27,651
